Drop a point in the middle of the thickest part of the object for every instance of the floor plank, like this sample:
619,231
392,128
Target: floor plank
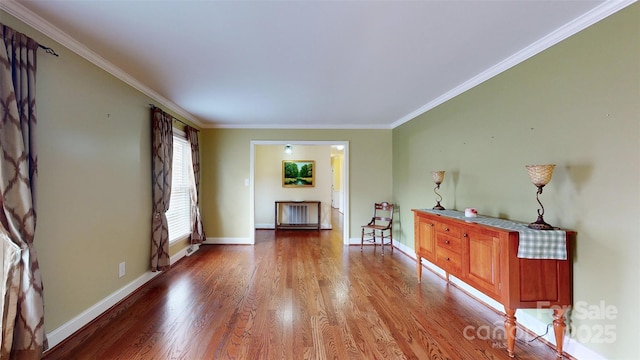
295,295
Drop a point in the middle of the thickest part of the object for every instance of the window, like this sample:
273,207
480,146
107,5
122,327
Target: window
179,214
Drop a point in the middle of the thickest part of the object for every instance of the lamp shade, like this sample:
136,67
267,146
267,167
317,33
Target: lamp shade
540,175
438,177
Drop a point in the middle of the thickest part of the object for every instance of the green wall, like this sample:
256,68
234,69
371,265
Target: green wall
94,185
225,166
268,182
575,105
95,179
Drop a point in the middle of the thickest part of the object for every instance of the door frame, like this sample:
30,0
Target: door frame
345,171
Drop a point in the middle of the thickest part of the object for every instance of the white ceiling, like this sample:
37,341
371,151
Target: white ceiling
306,64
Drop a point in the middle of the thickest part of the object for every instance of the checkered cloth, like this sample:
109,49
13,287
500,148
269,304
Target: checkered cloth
533,244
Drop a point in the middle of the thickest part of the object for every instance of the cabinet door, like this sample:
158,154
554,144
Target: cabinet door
425,239
483,262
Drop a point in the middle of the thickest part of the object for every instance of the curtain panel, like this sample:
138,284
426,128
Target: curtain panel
197,229
23,335
162,160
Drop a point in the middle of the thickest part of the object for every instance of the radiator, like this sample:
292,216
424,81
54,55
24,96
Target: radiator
298,214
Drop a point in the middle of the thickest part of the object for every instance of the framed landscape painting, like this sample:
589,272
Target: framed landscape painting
298,173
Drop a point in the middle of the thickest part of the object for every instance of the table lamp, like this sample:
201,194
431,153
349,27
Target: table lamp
438,177
540,176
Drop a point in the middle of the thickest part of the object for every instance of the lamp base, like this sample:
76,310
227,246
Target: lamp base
438,207
540,224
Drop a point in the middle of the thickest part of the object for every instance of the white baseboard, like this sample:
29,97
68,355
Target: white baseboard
579,351
228,241
192,249
354,241
179,255
271,226
533,324
402,247
570,346
67,329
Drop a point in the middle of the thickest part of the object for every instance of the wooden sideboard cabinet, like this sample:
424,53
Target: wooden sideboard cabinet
486,258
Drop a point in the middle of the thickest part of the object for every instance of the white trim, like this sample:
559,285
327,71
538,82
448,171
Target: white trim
345,165
229,241
570,346
353,241
179,213
404,248
533,324
179,133
579,351
301,126
346,204
596,14
252,192
30,18
270,226
67,329
179,255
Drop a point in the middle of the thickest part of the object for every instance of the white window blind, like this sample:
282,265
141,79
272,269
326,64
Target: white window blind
179,214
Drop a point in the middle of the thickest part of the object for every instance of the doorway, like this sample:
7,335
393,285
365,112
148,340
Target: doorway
344,170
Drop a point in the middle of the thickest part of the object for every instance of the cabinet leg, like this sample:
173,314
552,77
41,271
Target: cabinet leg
510,329
419,268
559,328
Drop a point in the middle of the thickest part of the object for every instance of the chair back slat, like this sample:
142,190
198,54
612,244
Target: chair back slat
380,226
383,214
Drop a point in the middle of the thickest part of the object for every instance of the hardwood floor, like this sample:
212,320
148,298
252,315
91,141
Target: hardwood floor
297,295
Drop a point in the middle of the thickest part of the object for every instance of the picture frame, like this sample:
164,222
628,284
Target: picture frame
298,173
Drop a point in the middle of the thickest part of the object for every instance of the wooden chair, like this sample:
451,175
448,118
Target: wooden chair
381,223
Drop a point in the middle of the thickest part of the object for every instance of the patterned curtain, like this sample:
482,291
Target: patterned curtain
23,335
197,230
162,160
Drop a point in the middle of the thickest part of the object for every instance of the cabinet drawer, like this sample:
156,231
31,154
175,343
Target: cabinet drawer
453,244
450,230
449,260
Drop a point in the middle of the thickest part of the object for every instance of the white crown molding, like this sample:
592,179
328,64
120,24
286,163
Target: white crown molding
299,127
30,18
596,14
600,12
